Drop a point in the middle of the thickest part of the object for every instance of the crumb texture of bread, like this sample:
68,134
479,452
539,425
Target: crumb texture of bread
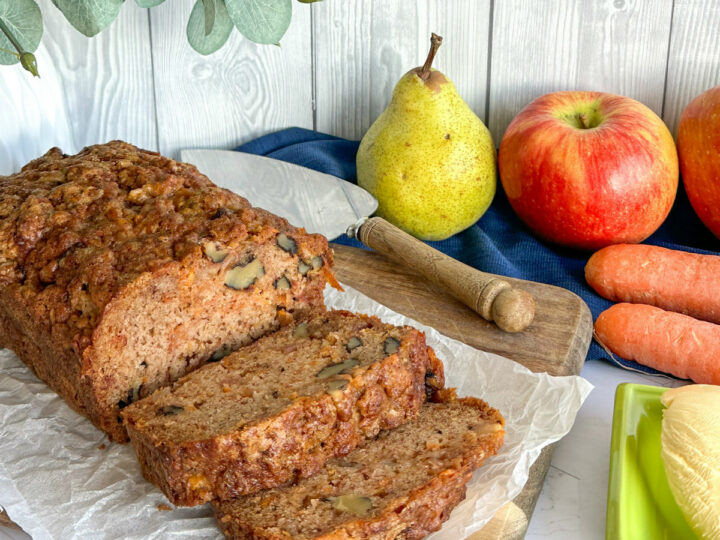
278,409
402,484
121,270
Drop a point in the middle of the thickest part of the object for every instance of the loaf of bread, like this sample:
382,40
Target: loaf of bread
278,409
402,484
121,270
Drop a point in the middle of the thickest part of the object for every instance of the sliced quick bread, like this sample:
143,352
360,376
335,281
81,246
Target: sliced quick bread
278,409
403,484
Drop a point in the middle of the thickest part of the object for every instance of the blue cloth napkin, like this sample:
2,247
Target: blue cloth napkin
499,242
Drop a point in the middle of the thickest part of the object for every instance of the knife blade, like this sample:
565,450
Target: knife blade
331,206
318,202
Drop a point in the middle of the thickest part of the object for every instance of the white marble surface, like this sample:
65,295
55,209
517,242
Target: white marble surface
573,499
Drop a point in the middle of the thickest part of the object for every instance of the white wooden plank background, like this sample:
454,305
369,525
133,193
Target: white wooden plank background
90,90
694,59
540,46
240,92
363,48
108,80
335,71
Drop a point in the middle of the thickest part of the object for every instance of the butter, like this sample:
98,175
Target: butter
690,446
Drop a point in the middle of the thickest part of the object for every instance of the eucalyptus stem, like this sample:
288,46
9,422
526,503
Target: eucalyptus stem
27,59
11,38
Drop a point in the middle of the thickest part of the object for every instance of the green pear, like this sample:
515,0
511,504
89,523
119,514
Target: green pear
428,159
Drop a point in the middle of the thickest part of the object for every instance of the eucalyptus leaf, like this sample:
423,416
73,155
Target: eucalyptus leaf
89,16
149,3
209,15
208,44
22,18
261,21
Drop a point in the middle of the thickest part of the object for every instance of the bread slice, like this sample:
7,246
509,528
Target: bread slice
403,484
121,270
281,407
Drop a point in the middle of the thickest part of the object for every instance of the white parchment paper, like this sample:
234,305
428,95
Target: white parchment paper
57,483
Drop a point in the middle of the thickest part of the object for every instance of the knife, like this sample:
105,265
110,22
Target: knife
325,204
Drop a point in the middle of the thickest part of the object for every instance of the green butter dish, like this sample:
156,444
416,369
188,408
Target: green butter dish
640,505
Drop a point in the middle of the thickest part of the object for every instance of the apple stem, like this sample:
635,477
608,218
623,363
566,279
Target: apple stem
435,42
583,119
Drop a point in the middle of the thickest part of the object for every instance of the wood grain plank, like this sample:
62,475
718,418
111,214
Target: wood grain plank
508,523
5,521
238,93
693,62
540,46
556,342
33,113
90,90
363,48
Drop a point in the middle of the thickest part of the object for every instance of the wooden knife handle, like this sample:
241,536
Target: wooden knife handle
492,298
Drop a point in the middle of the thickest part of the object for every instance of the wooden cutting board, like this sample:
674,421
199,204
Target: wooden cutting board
556,342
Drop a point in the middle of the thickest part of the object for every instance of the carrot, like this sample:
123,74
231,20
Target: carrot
663,340
674,280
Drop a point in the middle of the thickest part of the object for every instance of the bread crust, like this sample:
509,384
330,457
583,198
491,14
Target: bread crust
411,517
296,442
107,291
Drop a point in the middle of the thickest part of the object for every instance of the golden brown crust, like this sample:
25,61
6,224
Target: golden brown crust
84,240
296,441
76,229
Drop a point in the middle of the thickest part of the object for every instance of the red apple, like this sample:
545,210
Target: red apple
699,150
589,169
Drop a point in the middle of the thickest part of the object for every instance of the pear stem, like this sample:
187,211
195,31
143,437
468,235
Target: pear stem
435,42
